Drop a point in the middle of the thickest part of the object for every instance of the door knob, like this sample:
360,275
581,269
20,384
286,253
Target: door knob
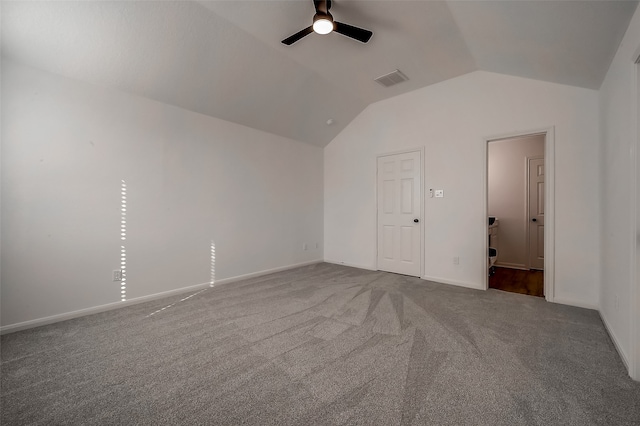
416,220
534,220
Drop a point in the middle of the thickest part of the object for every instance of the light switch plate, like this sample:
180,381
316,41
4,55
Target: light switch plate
439,193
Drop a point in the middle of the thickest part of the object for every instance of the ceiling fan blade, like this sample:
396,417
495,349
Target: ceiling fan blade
356,33
297,36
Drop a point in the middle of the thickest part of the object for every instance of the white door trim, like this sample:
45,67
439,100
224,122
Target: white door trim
422,194
527,205
634,364
549,201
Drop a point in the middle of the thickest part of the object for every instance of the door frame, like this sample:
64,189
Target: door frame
422,212
549,204
634,364
527,205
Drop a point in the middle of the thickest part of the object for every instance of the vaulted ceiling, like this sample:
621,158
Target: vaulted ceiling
225,59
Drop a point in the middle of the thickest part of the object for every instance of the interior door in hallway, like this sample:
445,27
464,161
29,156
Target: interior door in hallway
400,213
536,213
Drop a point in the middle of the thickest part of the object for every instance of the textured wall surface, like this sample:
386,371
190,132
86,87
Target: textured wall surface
452,120
67,147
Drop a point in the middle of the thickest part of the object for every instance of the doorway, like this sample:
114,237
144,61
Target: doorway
399,217
516,201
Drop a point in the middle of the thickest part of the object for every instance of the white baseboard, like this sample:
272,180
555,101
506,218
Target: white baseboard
452,282
266,272
351,265
615,341
5,329
574,303
95,309
511,266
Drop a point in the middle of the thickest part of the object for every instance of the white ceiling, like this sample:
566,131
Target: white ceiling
225,59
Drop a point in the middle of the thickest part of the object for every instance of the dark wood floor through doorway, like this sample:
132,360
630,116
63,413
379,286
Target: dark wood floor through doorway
518,281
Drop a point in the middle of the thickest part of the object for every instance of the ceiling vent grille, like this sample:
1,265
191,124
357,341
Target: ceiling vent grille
392,78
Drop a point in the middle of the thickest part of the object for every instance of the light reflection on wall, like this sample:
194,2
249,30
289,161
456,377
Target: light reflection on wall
123,237
213,264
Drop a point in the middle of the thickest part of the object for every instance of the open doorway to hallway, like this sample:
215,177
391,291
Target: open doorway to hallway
516,207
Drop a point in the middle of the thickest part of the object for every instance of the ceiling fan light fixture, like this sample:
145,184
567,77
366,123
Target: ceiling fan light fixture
322,24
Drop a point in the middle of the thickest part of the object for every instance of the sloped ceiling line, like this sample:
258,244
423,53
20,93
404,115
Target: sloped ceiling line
219,58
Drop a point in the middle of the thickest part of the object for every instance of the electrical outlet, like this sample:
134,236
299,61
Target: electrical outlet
456,260
439,193
117,275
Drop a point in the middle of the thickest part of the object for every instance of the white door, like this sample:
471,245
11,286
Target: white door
536,213
400,213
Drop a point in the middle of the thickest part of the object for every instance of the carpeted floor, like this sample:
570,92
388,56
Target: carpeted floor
322,345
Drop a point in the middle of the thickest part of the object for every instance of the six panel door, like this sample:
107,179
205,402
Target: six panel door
400,213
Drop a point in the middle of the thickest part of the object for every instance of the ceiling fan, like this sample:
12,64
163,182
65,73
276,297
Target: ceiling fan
323,23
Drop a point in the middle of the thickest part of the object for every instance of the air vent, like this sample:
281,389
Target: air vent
392,78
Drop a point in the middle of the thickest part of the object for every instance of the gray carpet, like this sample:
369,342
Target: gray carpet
322,345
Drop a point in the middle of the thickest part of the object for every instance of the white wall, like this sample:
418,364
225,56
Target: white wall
507,193
619,117
452,119
67,145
